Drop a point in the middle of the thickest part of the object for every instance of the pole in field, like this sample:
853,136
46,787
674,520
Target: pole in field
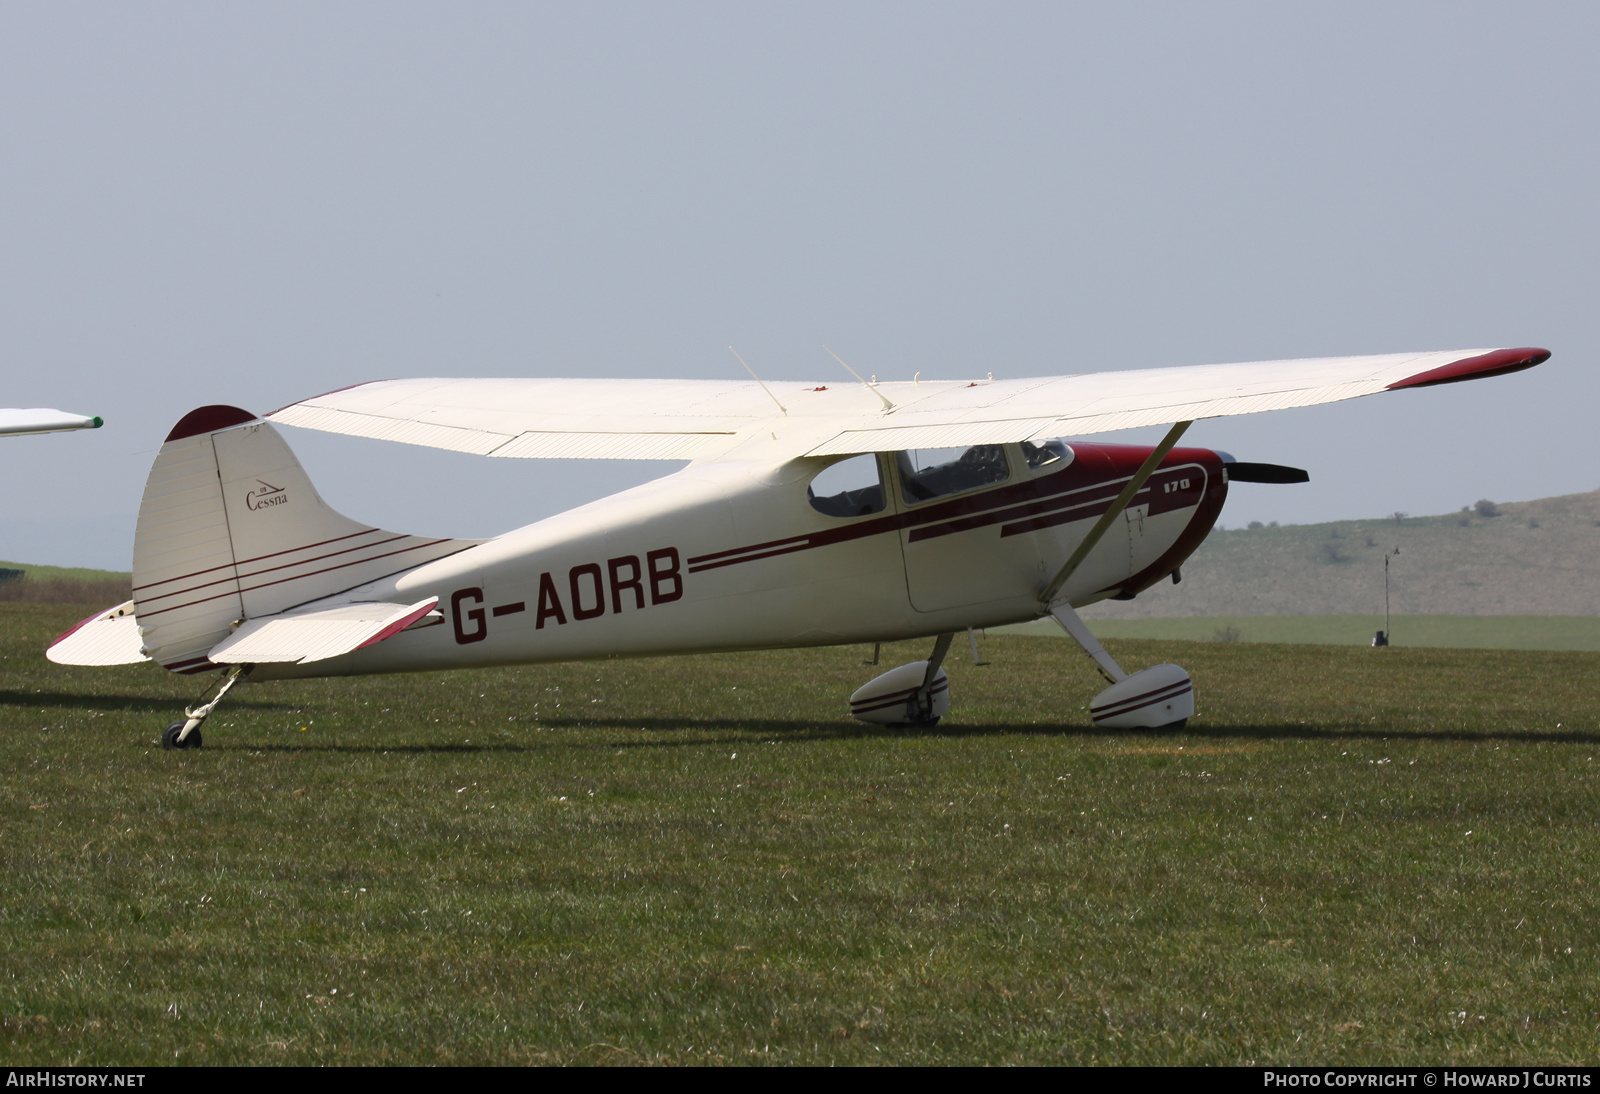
1382,637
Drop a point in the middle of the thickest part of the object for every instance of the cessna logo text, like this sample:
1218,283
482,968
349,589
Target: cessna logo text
264,495
582,596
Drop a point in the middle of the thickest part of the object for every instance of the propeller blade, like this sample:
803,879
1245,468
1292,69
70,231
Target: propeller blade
1264,472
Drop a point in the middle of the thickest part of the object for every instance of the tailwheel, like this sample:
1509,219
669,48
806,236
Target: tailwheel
174,737
186,734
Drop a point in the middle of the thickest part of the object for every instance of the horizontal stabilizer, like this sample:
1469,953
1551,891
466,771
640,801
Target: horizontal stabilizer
299,637
105,638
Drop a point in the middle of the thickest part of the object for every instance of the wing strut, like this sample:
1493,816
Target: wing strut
1074,625
1135,484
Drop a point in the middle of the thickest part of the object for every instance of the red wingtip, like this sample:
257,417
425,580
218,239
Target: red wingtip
209,419
1498,363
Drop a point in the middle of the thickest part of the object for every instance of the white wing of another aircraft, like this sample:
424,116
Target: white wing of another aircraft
707,419
15,423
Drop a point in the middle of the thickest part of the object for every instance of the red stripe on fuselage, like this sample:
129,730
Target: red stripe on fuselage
258,558
284,580
271,569
1098,471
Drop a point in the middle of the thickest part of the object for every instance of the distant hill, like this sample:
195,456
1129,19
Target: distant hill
1494,632
35,572
1532,558
66,585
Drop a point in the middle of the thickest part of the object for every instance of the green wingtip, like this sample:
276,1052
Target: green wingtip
98,422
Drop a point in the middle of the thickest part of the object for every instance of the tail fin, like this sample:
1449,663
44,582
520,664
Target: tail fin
230,528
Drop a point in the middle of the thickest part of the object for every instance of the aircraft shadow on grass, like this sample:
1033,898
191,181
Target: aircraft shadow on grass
705,731
77,701
1371,733
737,729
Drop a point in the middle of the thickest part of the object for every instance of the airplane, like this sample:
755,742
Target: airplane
809,514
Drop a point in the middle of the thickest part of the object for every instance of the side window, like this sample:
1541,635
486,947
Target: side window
927,473
1045,453
849,488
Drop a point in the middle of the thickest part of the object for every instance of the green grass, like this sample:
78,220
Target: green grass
1504,632
1349,856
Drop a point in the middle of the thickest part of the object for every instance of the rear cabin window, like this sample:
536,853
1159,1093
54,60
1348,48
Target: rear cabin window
849,488
927,473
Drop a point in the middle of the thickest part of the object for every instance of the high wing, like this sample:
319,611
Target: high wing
708,419
15,423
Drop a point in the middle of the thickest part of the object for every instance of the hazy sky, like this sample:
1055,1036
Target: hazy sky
251,204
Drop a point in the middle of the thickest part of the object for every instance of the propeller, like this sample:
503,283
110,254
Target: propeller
1263,472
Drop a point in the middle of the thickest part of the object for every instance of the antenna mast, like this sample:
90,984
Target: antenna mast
757,379
888,407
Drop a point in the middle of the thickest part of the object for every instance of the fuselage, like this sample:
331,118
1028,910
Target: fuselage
733,555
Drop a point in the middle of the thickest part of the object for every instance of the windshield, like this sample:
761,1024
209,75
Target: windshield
1045,453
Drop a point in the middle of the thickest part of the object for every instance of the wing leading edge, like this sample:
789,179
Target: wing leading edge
706,419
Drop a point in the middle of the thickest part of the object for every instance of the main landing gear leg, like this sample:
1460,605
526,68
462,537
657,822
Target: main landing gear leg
1079,630
186,734
917,694
920,710
1160,697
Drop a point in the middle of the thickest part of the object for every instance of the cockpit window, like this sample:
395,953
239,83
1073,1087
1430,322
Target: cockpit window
1045,453
927,473
849,488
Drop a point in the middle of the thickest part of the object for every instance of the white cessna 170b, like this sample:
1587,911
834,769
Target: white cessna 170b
808,515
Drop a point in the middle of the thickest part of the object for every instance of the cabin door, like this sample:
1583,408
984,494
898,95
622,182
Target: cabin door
955,503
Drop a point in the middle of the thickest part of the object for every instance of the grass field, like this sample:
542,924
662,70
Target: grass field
1503,632
1349,856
